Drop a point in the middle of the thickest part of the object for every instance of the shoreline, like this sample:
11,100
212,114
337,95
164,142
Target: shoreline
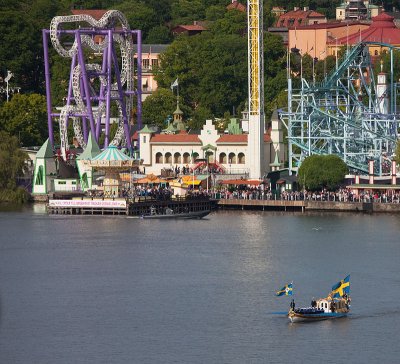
307,205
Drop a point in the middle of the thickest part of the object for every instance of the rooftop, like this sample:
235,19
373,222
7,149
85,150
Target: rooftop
382,29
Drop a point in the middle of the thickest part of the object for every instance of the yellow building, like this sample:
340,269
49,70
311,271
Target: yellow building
314,39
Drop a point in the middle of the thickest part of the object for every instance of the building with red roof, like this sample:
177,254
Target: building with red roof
315,39
237,6
191,29
382,30
170,149
299,18
94,13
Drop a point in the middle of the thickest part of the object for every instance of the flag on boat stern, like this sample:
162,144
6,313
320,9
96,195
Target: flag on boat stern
286,290
340,288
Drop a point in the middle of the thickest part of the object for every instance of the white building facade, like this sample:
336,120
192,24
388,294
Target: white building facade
229,151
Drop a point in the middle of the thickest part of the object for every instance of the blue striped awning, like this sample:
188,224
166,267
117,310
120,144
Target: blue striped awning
111,153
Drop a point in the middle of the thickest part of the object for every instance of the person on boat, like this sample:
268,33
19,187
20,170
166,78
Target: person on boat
313,303
292,305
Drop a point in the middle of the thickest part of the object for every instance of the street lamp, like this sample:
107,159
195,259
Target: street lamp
7,79
8,89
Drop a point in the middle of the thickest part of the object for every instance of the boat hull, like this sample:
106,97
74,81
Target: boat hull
187,215
306,317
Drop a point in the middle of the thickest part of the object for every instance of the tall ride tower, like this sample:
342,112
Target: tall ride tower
256,88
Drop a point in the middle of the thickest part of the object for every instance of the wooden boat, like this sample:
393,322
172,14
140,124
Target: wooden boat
170,214
322,309
179,215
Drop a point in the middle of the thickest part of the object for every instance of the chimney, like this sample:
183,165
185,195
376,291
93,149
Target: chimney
306,8
295,8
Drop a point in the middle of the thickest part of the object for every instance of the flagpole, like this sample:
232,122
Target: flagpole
192,171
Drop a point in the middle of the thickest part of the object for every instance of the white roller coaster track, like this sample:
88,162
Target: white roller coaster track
107,21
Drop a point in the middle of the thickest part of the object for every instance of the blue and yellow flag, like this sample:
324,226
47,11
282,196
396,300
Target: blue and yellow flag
286,291
340,288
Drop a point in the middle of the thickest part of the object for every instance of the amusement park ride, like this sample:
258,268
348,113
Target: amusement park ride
101,80
351,113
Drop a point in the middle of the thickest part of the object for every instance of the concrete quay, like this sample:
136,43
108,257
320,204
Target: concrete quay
300,205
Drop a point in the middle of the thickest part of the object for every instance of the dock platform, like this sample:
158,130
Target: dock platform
130,207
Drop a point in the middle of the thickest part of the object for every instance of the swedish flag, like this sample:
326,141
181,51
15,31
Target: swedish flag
340,288
286,290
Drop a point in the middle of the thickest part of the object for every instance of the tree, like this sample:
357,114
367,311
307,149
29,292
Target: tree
212,69
397,153
158,106
322,172
12,165
25,117
158,35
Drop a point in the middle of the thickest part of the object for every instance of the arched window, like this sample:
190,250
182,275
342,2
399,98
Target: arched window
222,158
241,158
159,158
168,158
376,52
210,156
40,176
186,158
232,158
195,155
177,158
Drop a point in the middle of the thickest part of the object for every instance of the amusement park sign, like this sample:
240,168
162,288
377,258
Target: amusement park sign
113,204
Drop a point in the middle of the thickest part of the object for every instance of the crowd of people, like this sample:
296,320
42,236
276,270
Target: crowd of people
165,192
341,195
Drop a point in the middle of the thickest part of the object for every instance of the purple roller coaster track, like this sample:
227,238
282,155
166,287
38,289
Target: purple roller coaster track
102,74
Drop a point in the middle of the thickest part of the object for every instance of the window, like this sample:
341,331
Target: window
144,138
210,157
222,158
61,182
168,158
40,176
376,52
232,158
177,158
159,158
186,158
154,63
241,158
146,63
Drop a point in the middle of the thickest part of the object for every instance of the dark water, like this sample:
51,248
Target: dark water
117,290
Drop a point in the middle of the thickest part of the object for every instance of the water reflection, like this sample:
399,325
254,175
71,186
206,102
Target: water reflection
83,288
